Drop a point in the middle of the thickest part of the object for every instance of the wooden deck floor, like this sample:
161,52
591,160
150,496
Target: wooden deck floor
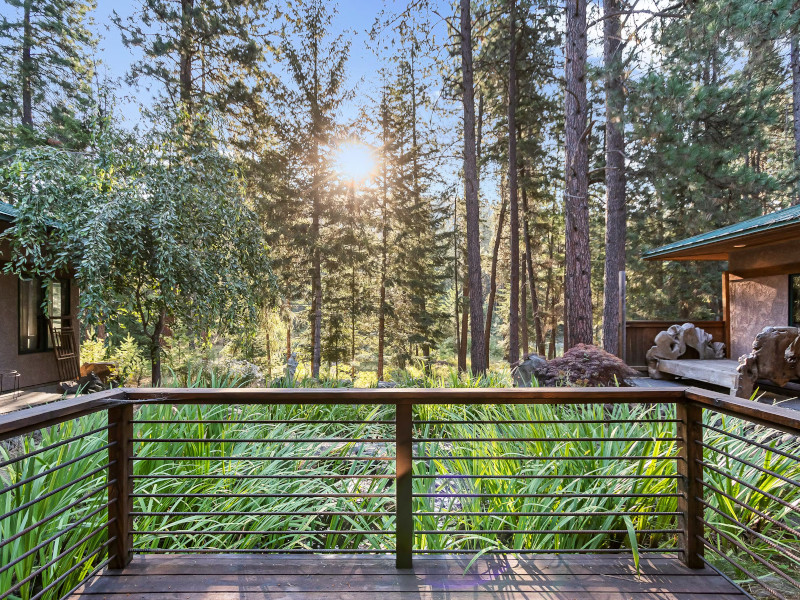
249,577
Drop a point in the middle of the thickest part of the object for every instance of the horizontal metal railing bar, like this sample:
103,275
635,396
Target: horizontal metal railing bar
750,464
755,511
546,422
253,513
546,495
262,551
265,458
533,458
31,576
551,514
764,493
754,443
320,476
46,472
89,575
167,532
52,538
738,566
554,476
52,516
262,440
540,531
767,540
552,439
74,438
83,561
625,551
262,495
763,561
59,489
259,422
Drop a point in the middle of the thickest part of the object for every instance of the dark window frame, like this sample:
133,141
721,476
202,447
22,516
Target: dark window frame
793,299
44,343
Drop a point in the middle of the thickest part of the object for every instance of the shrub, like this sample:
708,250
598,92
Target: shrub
130,360
586,366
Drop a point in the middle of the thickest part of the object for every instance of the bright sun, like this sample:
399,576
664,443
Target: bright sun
355,161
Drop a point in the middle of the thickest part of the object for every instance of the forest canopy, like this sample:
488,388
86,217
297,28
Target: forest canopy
377,185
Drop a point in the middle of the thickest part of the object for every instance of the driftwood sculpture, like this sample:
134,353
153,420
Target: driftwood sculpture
673,343
775,357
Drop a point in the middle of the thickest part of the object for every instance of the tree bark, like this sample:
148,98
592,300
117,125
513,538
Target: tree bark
384,253
795,67
462,349
477,353
523,312
27,66
186,54
513,191
155,349
616,217
493,278
577,280
537,316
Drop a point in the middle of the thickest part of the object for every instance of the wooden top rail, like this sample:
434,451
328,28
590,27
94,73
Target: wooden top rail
31,419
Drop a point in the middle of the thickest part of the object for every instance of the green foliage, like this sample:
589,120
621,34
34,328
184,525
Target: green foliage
158,230
130,360
56,36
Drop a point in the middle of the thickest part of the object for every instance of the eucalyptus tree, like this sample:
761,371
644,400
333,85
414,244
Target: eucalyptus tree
45,82
154,229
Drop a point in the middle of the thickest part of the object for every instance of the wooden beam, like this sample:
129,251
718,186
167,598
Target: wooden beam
120,434
726,311
690,482
787,269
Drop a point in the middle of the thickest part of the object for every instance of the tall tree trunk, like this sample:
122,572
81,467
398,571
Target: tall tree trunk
316,208
795,66
513,191
477,354
27,66
155,349
269,352
523,312
186,52
462,349
537,316
493,278
616,225
384,250
457,303
578,297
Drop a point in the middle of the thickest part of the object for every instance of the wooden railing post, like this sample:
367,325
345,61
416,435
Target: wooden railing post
119,510
690,477
404,517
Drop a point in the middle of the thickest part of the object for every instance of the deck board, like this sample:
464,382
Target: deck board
252,577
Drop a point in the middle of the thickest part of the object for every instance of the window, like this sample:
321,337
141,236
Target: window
34,334
794,300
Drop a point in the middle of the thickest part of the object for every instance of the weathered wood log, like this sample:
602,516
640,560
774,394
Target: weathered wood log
673,343
775,357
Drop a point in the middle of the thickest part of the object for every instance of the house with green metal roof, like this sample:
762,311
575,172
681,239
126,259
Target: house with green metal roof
760,264
36,347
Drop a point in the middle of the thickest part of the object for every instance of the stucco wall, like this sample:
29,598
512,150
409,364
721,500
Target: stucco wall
36,368
755,304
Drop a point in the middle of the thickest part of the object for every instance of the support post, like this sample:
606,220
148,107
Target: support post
622,343
726,312
120,434
690,486
404,518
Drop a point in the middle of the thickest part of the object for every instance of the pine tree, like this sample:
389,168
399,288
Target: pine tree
45,86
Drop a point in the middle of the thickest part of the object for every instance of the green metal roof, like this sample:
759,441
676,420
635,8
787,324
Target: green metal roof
775,220
7,212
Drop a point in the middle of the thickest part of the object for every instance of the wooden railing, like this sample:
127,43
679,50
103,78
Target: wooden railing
107,476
